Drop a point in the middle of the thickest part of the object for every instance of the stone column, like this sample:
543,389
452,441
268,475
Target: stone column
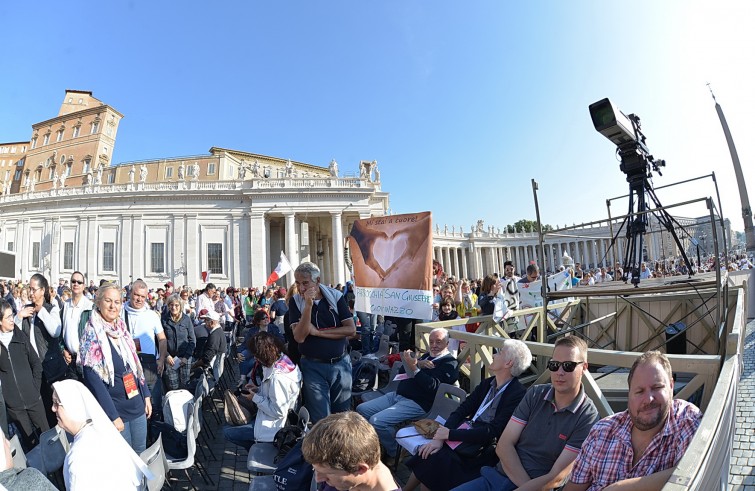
447,262
327,260
464,267
194,253
292,249
258,248
338,262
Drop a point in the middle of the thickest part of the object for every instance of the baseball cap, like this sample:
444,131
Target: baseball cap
212,315
169,284
202,312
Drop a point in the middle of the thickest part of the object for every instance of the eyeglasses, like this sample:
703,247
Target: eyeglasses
77,282
56,404
34,290
568,366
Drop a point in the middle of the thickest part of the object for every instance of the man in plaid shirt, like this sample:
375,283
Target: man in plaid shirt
638,448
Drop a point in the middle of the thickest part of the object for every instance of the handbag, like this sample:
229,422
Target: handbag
426,427
235,413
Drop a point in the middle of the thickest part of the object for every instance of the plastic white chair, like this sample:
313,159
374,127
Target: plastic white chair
261,458
444,404
155,459
391,386
17,453
190,461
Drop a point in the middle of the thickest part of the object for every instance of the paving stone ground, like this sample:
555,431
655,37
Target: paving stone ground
229,471
741,475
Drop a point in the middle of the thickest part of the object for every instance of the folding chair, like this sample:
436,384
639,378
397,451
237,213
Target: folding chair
261,459
444,404
17,453
155,459
190,461
391,386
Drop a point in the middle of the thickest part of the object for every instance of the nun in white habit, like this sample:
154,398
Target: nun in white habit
99,456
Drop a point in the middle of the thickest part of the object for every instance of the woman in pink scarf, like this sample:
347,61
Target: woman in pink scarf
112,370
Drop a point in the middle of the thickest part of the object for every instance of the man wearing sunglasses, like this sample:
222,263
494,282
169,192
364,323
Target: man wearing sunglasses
539,444
640,447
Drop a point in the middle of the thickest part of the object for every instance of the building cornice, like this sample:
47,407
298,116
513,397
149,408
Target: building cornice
84,112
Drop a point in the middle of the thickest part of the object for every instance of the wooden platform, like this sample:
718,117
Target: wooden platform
649,286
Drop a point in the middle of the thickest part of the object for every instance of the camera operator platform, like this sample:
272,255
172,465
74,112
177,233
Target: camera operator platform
638,165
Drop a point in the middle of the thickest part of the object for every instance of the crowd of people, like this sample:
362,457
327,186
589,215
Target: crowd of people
97,358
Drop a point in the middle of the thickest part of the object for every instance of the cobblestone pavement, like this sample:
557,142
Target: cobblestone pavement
741,476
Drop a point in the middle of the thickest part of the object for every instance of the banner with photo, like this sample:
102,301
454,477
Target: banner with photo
529,293
392,258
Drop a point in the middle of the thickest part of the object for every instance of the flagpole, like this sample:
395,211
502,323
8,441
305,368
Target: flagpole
745,200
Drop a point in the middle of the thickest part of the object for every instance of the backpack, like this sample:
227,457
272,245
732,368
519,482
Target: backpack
363,376
176,407
293,472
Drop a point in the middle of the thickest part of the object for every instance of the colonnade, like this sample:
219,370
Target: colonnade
471,260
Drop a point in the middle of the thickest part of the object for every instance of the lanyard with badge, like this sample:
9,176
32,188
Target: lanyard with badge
486,403
129,381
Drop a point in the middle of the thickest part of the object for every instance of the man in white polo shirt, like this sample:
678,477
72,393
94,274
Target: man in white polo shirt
144,325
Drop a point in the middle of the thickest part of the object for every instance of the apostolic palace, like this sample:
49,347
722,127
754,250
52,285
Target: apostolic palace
66,205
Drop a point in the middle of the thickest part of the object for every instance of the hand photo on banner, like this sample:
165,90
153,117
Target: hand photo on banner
392,260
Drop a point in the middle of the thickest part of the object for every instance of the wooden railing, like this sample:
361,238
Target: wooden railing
705,465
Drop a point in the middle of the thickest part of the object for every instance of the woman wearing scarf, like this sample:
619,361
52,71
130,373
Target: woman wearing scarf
276,394
99,458
112,370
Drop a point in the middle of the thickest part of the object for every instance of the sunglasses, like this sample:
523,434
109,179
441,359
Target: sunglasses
77,282
568,366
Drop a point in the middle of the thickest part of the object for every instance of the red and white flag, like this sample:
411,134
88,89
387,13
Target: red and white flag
205,276
281,269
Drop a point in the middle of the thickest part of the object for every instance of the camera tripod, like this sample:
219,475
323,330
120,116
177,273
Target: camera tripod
639,188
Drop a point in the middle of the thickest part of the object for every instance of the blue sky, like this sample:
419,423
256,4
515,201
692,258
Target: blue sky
461,103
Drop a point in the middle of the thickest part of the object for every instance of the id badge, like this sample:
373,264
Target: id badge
129,382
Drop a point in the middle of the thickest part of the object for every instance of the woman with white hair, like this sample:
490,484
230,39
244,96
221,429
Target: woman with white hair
99,457
465,442
112,370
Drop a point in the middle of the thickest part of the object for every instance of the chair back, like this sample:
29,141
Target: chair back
49,455
191,439
197,421
447,399
384,347
199,390
392,384
304,418
218,367
17,453
154,457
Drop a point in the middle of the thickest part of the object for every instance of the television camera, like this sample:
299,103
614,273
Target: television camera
638,164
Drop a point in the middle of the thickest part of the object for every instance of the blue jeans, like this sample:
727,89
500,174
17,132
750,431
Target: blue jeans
491,480
385,412
135,433
243,435
327,387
